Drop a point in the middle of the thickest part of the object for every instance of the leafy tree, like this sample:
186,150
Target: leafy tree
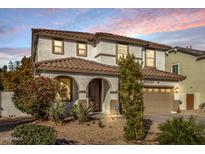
131,97
4,68
36,96
17,74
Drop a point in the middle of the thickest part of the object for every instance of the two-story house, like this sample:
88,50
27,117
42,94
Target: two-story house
191,63
87,64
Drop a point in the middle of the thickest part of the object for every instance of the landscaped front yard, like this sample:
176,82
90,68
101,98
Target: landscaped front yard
90,132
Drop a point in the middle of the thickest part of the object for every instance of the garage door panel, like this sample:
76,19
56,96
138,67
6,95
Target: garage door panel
158,101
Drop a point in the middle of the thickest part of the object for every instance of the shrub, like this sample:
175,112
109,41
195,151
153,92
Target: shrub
202,105
131,97
179,131
56,111
31,134
35,96
81,111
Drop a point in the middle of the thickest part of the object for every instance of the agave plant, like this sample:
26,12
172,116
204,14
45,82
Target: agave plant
81,111
56,111
179,131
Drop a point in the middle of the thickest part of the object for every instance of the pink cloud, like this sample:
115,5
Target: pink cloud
13,54
50,11
147,21
5,30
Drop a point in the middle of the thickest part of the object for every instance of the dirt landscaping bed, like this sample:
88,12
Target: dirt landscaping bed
111,132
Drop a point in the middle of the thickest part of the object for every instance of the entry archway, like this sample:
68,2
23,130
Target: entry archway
98,93
69,88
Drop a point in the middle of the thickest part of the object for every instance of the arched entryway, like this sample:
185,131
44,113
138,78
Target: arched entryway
99,93
69,88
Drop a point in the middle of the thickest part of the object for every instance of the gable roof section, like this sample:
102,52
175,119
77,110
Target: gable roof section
79,65
201,57
76,65
83,36
190,51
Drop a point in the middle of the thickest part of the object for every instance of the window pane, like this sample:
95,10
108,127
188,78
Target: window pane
175,69
150,53
58,43
66,89
122,49
81,46
57,49
150,62
121,55
82,52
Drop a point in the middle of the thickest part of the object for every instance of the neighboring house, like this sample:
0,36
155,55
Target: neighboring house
87,64
190,63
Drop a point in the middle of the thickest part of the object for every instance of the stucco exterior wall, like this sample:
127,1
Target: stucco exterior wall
7,105
106,47
195,73
44,50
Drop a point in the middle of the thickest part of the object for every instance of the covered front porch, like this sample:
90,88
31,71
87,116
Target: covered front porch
98,90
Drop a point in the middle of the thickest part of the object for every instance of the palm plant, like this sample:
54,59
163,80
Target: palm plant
82,110
56,111
179,131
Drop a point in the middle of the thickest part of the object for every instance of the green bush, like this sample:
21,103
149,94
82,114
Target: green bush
131,97
33,135
35,96
81,111
179,131
56,111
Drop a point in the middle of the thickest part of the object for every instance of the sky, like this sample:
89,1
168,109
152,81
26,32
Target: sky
175,27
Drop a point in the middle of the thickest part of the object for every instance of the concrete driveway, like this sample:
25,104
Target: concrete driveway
163,117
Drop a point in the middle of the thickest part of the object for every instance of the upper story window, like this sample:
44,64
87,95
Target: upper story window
58,47
175,69
122,51
150,58
82,49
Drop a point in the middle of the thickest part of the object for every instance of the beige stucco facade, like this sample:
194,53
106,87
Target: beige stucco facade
195,77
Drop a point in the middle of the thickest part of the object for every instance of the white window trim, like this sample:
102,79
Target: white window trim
179,68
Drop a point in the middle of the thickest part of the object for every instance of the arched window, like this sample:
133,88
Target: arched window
66,88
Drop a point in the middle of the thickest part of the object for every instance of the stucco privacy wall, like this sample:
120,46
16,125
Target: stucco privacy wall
7,105
44,50
195,73
82,81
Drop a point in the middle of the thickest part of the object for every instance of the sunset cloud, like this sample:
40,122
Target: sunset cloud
5,30
182,27
13,54
146,21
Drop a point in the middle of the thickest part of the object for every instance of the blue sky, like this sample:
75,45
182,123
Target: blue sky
182,27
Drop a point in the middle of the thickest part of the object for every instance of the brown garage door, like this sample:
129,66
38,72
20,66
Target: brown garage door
158,100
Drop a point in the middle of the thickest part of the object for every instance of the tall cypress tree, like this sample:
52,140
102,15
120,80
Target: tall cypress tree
131,97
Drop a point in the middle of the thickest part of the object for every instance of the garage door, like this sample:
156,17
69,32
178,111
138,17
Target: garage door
158,100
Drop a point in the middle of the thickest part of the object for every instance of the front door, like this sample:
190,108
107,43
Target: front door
190,101
95,94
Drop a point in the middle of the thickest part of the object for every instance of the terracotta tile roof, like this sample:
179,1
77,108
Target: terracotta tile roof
83,36
152,73
79,36
200,57
73,64
125,39
86,66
